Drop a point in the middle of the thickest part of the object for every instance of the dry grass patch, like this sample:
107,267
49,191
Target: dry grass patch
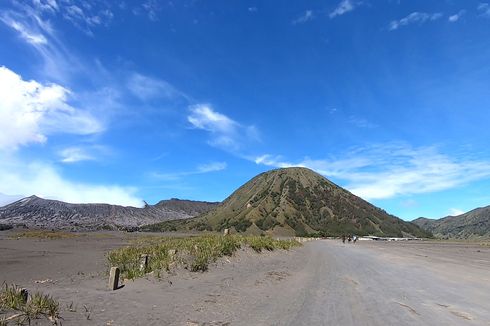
194,253
45,234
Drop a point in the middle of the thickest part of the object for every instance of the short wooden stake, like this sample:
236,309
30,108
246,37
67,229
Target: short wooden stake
226,232
114,278
24,293
144,263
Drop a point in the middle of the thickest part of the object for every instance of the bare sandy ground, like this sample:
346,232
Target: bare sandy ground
322,283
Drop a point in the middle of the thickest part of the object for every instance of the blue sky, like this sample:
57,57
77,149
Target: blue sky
119,102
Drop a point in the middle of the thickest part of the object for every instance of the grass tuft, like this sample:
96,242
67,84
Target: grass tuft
194,253
16,309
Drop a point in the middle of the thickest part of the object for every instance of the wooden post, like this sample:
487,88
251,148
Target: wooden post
226,232
144,263
114,278
24,293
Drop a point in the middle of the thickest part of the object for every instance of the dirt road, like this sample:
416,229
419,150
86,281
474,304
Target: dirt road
391,284
323,283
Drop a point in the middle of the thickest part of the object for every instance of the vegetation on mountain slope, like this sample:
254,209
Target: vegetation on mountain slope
295,201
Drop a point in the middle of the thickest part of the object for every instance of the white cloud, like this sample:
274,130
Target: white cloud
305,17
454,18
386,171
38,33
204,117
42,179
223,129
30,111
31,37
275,161
484,9
455,212
225,133
414,18
211,167
146,88
46,5
75,154
344,7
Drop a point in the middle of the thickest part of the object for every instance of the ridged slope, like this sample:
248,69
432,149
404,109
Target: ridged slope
475,223
37,212
301,201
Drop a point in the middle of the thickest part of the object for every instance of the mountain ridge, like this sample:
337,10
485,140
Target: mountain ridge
472,224
34,211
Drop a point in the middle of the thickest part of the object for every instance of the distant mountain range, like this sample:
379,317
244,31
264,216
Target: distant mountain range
44,213
296,201
475,223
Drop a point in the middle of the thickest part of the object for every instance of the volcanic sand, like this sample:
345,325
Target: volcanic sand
324,282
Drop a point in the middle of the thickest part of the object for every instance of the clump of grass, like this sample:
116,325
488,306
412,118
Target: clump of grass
194,253
45,234
15,307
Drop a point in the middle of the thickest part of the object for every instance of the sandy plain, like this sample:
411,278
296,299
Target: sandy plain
324,282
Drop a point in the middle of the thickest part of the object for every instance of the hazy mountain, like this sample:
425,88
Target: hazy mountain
475,223
297,201
37,212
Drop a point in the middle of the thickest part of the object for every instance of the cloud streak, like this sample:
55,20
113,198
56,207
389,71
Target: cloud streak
343,7
225,133
414,18
454,18
147,88
303,18
386,171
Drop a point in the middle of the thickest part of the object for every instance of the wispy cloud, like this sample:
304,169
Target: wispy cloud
344,7
414,18
37,31
455,211
75,154
454,18
31,37
84,19
30,111
361,122
212,167
201,169
225,132
149,8
304,17
386,171
484,9
146,88
84,152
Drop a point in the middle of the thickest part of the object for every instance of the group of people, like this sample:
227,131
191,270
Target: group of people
349,238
